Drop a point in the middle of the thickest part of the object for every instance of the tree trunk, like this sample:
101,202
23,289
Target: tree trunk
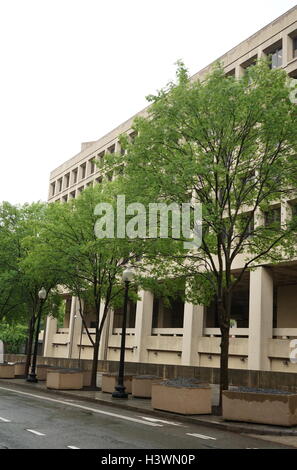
224,371
29,345
95,361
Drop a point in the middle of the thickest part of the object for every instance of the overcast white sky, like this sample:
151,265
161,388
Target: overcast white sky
71,70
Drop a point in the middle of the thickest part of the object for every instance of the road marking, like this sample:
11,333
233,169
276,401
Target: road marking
154,420
75,405
201,436
5,420
72,447
35,432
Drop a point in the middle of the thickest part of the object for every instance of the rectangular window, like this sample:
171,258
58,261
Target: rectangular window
60,185
74,175
72,195
91,166
98,180
101,158
295,47
273,218
111,149
65,198
294,210
53,187
83,171
90,183
276,58
80,190
67,180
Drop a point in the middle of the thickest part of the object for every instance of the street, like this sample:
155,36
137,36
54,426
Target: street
30,420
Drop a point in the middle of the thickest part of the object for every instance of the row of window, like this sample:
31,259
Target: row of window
274,52
87,169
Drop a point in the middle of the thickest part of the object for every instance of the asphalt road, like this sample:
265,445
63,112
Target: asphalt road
30,420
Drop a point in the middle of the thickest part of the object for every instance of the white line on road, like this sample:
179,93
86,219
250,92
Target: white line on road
35,432
75,405
154,420
72,447
5,420
201,436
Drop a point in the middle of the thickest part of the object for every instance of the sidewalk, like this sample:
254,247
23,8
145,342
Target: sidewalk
144,406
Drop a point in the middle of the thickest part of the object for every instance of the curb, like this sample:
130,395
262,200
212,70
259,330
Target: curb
122,404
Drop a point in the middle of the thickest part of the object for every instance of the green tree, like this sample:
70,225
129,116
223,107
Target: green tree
229,144
90,267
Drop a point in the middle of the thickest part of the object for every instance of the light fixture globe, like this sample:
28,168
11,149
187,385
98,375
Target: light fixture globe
42,293
127,275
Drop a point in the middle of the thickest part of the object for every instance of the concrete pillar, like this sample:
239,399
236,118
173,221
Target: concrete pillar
50,331
74,329
143,325
192,330
260,318
287,49
239,71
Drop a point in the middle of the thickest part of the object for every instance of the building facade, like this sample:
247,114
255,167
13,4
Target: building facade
264,309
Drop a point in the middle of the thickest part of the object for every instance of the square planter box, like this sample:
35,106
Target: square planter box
109,381
64,379
6,371
182,399
19,369
142,385
260,407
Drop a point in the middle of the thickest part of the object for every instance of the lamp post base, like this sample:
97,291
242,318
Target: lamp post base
119,392
32,378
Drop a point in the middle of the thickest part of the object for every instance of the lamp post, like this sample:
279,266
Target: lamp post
119,391
32,376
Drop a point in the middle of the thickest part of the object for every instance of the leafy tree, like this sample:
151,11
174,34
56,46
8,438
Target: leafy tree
90,267
229,144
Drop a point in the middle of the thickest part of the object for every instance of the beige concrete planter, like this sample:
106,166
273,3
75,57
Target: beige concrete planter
6,371
182,399
87,378
109,381
262,408
64,379
142,385
19,369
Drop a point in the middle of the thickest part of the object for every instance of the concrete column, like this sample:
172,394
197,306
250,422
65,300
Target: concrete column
74,329
192,330
287,49
143,325
260,318
50,331
239,71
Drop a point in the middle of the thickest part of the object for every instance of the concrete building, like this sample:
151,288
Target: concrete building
265,304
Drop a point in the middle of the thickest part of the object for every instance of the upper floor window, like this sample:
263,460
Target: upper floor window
295,47
273,218
67,180
111,149
83,171
92,166
53,187
276,57
60,184
74,175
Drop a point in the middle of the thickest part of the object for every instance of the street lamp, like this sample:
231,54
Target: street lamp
119,391
42,296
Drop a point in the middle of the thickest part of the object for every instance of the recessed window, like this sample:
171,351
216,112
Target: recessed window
65,198
273,218
72,195
60,181
53,188
98,180
90,183
101,158
111,149
249,62
231,73
92,166
80,190
83,171
295,47
67,180
74,175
